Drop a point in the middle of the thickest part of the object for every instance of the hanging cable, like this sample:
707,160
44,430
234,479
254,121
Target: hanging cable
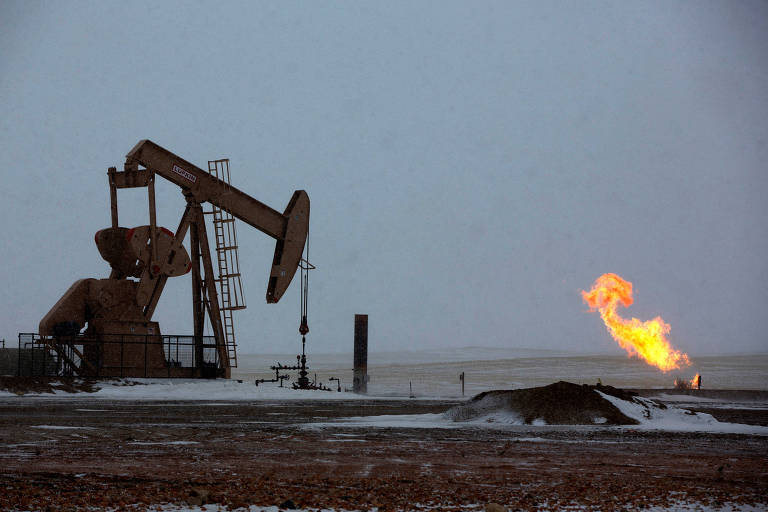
305,266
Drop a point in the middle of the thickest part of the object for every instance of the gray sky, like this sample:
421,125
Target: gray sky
471,166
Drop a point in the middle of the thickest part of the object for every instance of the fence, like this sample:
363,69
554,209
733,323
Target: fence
118,355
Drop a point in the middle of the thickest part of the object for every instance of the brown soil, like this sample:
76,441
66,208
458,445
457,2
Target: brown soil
265,453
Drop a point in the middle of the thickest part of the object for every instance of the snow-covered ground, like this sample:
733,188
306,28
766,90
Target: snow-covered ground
197,389
715,403
216,392
436,372
647,412
653,417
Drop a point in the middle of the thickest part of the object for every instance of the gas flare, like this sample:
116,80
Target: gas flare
648,339
695,381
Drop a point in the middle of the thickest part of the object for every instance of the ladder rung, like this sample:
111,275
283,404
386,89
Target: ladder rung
226,243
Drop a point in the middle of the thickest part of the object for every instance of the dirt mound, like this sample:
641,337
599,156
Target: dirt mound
35,385
561,403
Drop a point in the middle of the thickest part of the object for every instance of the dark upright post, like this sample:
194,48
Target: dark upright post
360,376
198,307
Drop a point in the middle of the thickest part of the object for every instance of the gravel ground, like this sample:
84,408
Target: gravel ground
72,454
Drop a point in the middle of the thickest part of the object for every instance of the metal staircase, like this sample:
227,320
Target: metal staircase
228,283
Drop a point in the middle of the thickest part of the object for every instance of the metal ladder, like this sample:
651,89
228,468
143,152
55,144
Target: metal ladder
228,283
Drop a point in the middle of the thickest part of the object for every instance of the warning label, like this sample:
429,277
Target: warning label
184,173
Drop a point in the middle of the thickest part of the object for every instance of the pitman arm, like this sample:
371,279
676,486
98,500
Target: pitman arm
289,228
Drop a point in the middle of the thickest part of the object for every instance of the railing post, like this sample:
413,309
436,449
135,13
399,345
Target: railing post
122,347
145,356
18,365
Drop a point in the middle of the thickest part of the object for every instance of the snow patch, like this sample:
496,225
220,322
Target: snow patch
214,392
653,417
224,508
60,427
680,505
387,421
148,443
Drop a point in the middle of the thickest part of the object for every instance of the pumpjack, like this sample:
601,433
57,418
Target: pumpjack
89,325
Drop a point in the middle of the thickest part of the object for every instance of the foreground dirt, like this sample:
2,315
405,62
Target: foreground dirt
112,454
24,385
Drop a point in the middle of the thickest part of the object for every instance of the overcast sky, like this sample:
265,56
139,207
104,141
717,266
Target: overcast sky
472,166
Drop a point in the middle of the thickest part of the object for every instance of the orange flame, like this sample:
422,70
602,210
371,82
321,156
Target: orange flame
695,381
648,339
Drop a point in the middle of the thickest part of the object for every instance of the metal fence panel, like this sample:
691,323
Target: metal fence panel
116,355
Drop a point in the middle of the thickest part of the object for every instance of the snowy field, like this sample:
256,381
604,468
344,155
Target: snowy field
146,444
435,373
647,412
191,389
675,417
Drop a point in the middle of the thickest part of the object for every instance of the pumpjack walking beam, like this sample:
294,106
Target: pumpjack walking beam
288,228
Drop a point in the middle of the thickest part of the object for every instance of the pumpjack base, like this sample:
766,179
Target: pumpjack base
120,355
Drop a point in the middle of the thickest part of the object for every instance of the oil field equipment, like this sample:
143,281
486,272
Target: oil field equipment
301,366
104,327
360,371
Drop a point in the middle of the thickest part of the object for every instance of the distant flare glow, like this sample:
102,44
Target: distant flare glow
647,340
695,381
